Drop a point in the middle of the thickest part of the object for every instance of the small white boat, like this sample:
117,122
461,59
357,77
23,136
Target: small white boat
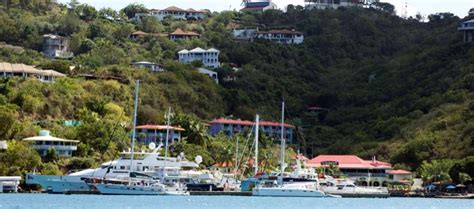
290,190
349,189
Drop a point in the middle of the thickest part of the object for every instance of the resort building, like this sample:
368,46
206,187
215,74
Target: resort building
282,36
55,46
147,134
209,58
43,142
3,145
258,5
175,13
226,167
334,4
153,67
27,71
179,34
230,127
213,75
363,172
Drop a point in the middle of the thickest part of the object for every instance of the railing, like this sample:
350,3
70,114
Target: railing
56,147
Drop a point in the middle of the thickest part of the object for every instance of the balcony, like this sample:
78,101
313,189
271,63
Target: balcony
56,147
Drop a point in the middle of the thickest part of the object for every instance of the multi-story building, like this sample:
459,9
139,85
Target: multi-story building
209,58
282,36
175,13
334,4
147,134
44,142
230,127
55,46
258,5
244,34
27,71
153,67
363,172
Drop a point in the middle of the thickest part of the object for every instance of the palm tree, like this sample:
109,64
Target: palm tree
464,177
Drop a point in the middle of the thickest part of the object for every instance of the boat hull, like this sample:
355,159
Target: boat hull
112,189
279,192
61,184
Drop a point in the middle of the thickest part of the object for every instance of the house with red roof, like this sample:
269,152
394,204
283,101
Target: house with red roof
179,34
283,36
363,172
147,134
233,126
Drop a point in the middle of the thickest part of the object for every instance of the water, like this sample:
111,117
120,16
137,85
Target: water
45,201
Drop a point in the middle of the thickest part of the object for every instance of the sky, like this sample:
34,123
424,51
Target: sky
424,7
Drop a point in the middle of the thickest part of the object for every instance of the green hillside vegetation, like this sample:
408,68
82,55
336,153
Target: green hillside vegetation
399,89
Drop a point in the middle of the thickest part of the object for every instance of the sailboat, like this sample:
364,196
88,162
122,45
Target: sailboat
281,189
136,183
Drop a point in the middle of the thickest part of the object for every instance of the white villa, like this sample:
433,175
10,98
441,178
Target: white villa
64,147
282,36
175,13
210,57
27,71
153,67
245,34
210,73
55,46
334,4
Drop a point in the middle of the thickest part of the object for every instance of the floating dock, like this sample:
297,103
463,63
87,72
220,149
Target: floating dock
219,193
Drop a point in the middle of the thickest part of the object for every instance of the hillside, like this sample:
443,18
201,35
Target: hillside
398,89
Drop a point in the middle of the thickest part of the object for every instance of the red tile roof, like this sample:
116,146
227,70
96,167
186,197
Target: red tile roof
159,127
180,32
252,9
174,9
399,172
348,161
248,123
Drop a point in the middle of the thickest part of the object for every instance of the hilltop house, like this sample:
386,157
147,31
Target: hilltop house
334,4
180,34
43,142
363,172
210,73
27,71
173,12
258,5
156,133
282,36
153,67
467,27
230,127
55,46
210,57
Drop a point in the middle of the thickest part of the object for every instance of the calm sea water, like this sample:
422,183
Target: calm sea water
27,201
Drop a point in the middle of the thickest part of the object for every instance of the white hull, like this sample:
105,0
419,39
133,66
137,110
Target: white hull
61,184
287,192
119,189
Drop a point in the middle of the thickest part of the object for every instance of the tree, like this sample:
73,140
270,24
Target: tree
464,177
150,24
436,170
8,120
51,156
132,9
19,159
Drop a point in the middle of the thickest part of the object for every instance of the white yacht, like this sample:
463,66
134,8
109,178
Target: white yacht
130,186
349,189
300,189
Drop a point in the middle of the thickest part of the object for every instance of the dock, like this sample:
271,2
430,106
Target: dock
219,193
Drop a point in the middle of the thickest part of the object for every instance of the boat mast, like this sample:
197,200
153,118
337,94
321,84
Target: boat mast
135,107
257,119
282,139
